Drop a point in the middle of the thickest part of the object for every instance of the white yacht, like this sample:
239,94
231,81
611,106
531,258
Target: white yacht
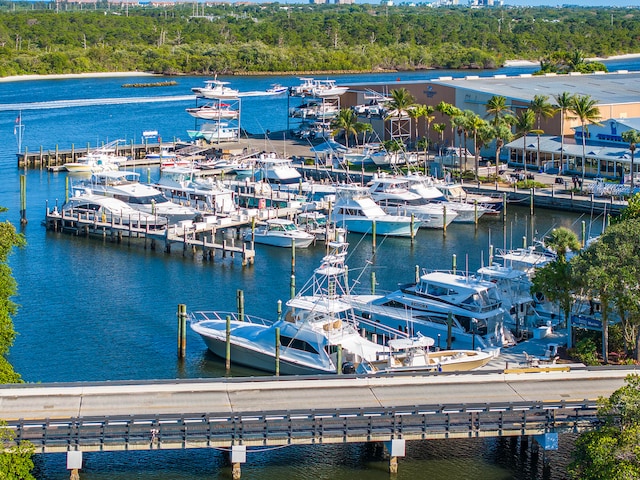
184,185
277,171
426,188
317,88
111,210
105,158
356,211
318,333
279,232
393,196
455,192
443,302
126,186
216,89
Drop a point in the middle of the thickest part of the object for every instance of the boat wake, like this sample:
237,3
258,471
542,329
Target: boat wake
88,102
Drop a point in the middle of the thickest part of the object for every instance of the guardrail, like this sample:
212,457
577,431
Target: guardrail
272,428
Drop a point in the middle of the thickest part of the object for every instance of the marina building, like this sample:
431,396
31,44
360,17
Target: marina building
607,155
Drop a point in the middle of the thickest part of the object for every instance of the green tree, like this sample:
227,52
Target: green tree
345,122
586,110
562,241
15,460
524,123
399,106
542,109
564,102
610,452
498,109
632,137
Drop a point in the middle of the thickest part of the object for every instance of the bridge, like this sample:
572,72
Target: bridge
268,411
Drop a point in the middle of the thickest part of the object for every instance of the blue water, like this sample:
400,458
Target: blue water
93,310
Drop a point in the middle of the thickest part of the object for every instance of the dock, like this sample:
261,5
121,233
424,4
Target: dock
191,236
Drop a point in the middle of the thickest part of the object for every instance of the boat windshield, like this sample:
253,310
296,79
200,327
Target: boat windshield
148,200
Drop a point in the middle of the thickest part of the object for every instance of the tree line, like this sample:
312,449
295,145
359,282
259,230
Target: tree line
44,38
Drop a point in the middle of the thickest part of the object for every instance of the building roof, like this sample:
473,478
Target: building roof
551,144
608,88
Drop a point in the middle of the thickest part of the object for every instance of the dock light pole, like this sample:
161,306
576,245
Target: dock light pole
240,300
227,353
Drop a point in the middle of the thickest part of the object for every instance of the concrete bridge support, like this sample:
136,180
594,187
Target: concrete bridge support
396,448
238,457
74,463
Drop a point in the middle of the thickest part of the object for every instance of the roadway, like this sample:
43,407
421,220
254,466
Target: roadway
242,396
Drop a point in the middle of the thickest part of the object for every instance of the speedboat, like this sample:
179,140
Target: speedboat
414,354
111,210
356,211
98,160
327,88
442,305
126,186
319,332
220,111
278,172
216,89
393,196
279,232
277,89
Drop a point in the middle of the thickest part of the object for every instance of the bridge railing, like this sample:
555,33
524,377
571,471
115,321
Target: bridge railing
201,430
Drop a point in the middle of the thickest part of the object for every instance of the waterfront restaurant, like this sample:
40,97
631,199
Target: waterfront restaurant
606,154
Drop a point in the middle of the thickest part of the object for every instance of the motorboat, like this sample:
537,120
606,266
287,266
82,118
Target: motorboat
318,333
126,186
215,132
310,87
184,185
111,210
414,354
327,88
425,187
98,160
455,192
317,224
219,111
527,259
277,89
279,232
442,305
216,89
315,109
277,171
376,154
393,196
356,211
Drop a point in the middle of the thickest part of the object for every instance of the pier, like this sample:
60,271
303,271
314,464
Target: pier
240,413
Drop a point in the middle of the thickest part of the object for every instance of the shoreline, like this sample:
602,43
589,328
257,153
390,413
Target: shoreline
531,63
66,76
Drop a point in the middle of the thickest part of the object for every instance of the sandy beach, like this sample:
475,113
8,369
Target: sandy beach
18,78
527,63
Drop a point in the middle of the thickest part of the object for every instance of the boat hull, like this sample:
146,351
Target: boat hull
391,228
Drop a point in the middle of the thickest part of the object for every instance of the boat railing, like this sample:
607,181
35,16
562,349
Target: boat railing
203,316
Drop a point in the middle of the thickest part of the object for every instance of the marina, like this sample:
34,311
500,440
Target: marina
149,336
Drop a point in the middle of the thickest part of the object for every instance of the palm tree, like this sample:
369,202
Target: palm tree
439,129
542,109
451,111
524,124
345,121
497,108
563,240
474,124
429,117
459,122
364,128
415,113
502,134
564,101
633,137
585,109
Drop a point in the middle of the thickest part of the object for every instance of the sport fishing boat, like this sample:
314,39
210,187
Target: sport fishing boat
216,89
443,305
